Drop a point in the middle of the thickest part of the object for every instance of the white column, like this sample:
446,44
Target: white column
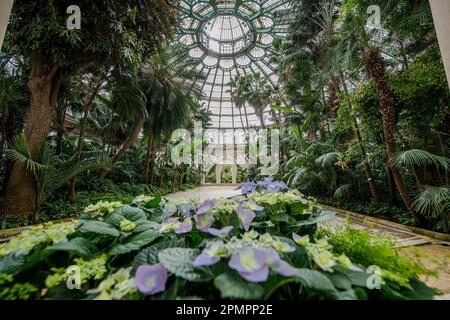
5,12
441,17
234,174
218,173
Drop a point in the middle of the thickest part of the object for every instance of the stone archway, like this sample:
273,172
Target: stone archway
234,170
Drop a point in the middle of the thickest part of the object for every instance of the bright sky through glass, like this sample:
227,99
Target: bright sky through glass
230,37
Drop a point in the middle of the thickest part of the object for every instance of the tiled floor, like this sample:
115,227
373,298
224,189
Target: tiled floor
206,192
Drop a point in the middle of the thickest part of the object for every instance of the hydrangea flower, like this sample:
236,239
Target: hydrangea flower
203,221
206,206
266,239
324,259
185,209
248,187
151,279
103,207
211,254
116,287
90,269
174,225
265,183
301,241
184,226
224,208
220,232
252,205
143,199
277,186
245,216
127,225
283,247
250,235
44,233
170,209
253,264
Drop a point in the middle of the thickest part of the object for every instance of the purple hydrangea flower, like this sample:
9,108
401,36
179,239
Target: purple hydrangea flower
185,226
203,221
265,183
245,216
277,186
248,187
185,209
169,209
251,264
206,206
151,279
209,255
278,265
220,232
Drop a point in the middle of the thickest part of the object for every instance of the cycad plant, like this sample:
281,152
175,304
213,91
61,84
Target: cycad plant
49,171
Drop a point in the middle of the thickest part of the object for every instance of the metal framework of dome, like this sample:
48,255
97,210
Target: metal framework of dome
227,38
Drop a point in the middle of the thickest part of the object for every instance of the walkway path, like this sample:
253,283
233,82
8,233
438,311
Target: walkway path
434,256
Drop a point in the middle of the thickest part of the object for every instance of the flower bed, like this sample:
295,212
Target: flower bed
261,245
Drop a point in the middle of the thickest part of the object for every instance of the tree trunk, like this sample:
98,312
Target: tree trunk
376,69
148,157
43,85
129,142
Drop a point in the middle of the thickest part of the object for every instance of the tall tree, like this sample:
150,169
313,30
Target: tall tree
112,32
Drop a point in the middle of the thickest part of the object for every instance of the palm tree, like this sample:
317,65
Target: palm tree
48,170
168,84
367,45
240,87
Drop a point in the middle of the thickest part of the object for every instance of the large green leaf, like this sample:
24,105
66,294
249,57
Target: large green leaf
134,243
315,280
179,262
233,286
11,263
81,246
99,227
133,214
149,255
153,203
324,216
282,218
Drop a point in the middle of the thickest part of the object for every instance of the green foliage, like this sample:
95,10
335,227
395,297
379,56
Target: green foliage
367,249
179,262
109,255
231,286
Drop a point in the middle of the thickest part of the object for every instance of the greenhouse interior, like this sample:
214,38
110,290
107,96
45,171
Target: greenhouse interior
225,150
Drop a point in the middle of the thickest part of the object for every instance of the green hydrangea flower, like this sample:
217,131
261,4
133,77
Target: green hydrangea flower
48,233
116,287
127,225
103,207
91,269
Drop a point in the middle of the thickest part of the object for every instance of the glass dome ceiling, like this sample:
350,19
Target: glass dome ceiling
227,38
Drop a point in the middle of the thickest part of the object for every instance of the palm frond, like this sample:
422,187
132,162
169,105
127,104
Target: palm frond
417,158
433,199
329,159
342,192
19,153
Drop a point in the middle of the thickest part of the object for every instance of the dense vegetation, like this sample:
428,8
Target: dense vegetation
260,245
86,123
366,114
